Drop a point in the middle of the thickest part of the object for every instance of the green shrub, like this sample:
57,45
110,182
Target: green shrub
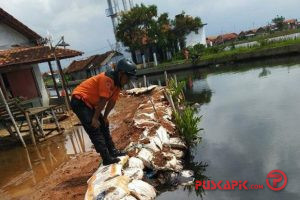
176,91
187,122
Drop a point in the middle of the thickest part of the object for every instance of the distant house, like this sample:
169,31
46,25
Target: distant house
92,65
263,30
210,40
291,23
247,34
47,75
222,39
20,54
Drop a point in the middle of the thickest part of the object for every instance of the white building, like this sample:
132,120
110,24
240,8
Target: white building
197,38
20,55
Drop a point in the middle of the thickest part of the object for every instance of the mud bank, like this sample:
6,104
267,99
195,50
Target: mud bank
69,181
155,155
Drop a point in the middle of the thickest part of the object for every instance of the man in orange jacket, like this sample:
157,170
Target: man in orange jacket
99,93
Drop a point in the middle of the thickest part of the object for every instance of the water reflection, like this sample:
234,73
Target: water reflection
21,169
250,128
264,72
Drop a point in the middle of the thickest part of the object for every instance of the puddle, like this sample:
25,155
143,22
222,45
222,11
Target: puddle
21,169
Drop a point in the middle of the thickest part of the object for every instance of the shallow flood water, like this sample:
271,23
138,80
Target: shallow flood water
21,169
251,126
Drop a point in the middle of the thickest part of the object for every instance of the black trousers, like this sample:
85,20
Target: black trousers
100,137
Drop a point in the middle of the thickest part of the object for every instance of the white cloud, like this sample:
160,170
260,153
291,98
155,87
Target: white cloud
86,27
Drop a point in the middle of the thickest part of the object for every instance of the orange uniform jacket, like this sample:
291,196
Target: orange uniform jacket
95,87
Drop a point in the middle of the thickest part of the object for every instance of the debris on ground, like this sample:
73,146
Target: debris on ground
151,147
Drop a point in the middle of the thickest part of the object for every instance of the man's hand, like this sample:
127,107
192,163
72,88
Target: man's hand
95,123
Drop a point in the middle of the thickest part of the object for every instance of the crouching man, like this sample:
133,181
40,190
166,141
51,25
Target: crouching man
100,93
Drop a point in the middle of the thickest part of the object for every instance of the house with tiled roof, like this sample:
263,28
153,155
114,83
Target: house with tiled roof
20,54
210,40
291,23
226,38
247,34
93,65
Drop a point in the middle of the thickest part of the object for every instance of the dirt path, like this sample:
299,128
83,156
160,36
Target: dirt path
69,180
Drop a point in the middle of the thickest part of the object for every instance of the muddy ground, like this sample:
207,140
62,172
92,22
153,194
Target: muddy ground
70,180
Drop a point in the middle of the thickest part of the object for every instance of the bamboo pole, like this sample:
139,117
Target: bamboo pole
53,79
12,118
166,78
175,78
145,81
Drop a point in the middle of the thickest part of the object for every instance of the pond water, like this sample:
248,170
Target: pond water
21,169
250,116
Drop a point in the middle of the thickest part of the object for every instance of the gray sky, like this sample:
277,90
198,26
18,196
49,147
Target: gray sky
86,27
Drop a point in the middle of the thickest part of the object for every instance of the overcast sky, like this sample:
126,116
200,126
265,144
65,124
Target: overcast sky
86,27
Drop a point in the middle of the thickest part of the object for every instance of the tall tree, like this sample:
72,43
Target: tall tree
279,22
135,27
184,25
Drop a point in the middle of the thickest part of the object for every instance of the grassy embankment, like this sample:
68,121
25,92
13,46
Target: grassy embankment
216,52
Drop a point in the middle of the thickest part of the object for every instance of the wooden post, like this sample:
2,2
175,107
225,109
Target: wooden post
145,81
63,83
2,85
11,117
159,82
53,78
30,128
166,77
56,121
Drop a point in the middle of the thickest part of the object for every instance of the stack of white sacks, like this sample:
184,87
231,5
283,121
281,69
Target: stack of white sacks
124,179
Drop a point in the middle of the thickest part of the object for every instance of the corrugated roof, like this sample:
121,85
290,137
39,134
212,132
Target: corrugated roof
97,60
12,22
31,55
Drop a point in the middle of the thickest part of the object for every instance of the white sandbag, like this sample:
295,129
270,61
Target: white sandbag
163,135
123,160
113,193
157,141
134,162
102,188
106,172
142,190
134,173
177,153
177,143
186,177
146,156
171,165
151,146
129,197
141,90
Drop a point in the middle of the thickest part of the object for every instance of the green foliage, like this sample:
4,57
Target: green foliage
176,90
186,118
142,27
278,21
137,25
187,122
184,25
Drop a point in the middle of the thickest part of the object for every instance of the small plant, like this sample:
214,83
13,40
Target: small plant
176,91
187,123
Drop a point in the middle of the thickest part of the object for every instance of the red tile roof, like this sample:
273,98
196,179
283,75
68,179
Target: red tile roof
31,55
226,37
290,21
96,60
12,22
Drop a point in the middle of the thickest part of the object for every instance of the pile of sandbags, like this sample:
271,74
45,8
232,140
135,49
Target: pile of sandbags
156,149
